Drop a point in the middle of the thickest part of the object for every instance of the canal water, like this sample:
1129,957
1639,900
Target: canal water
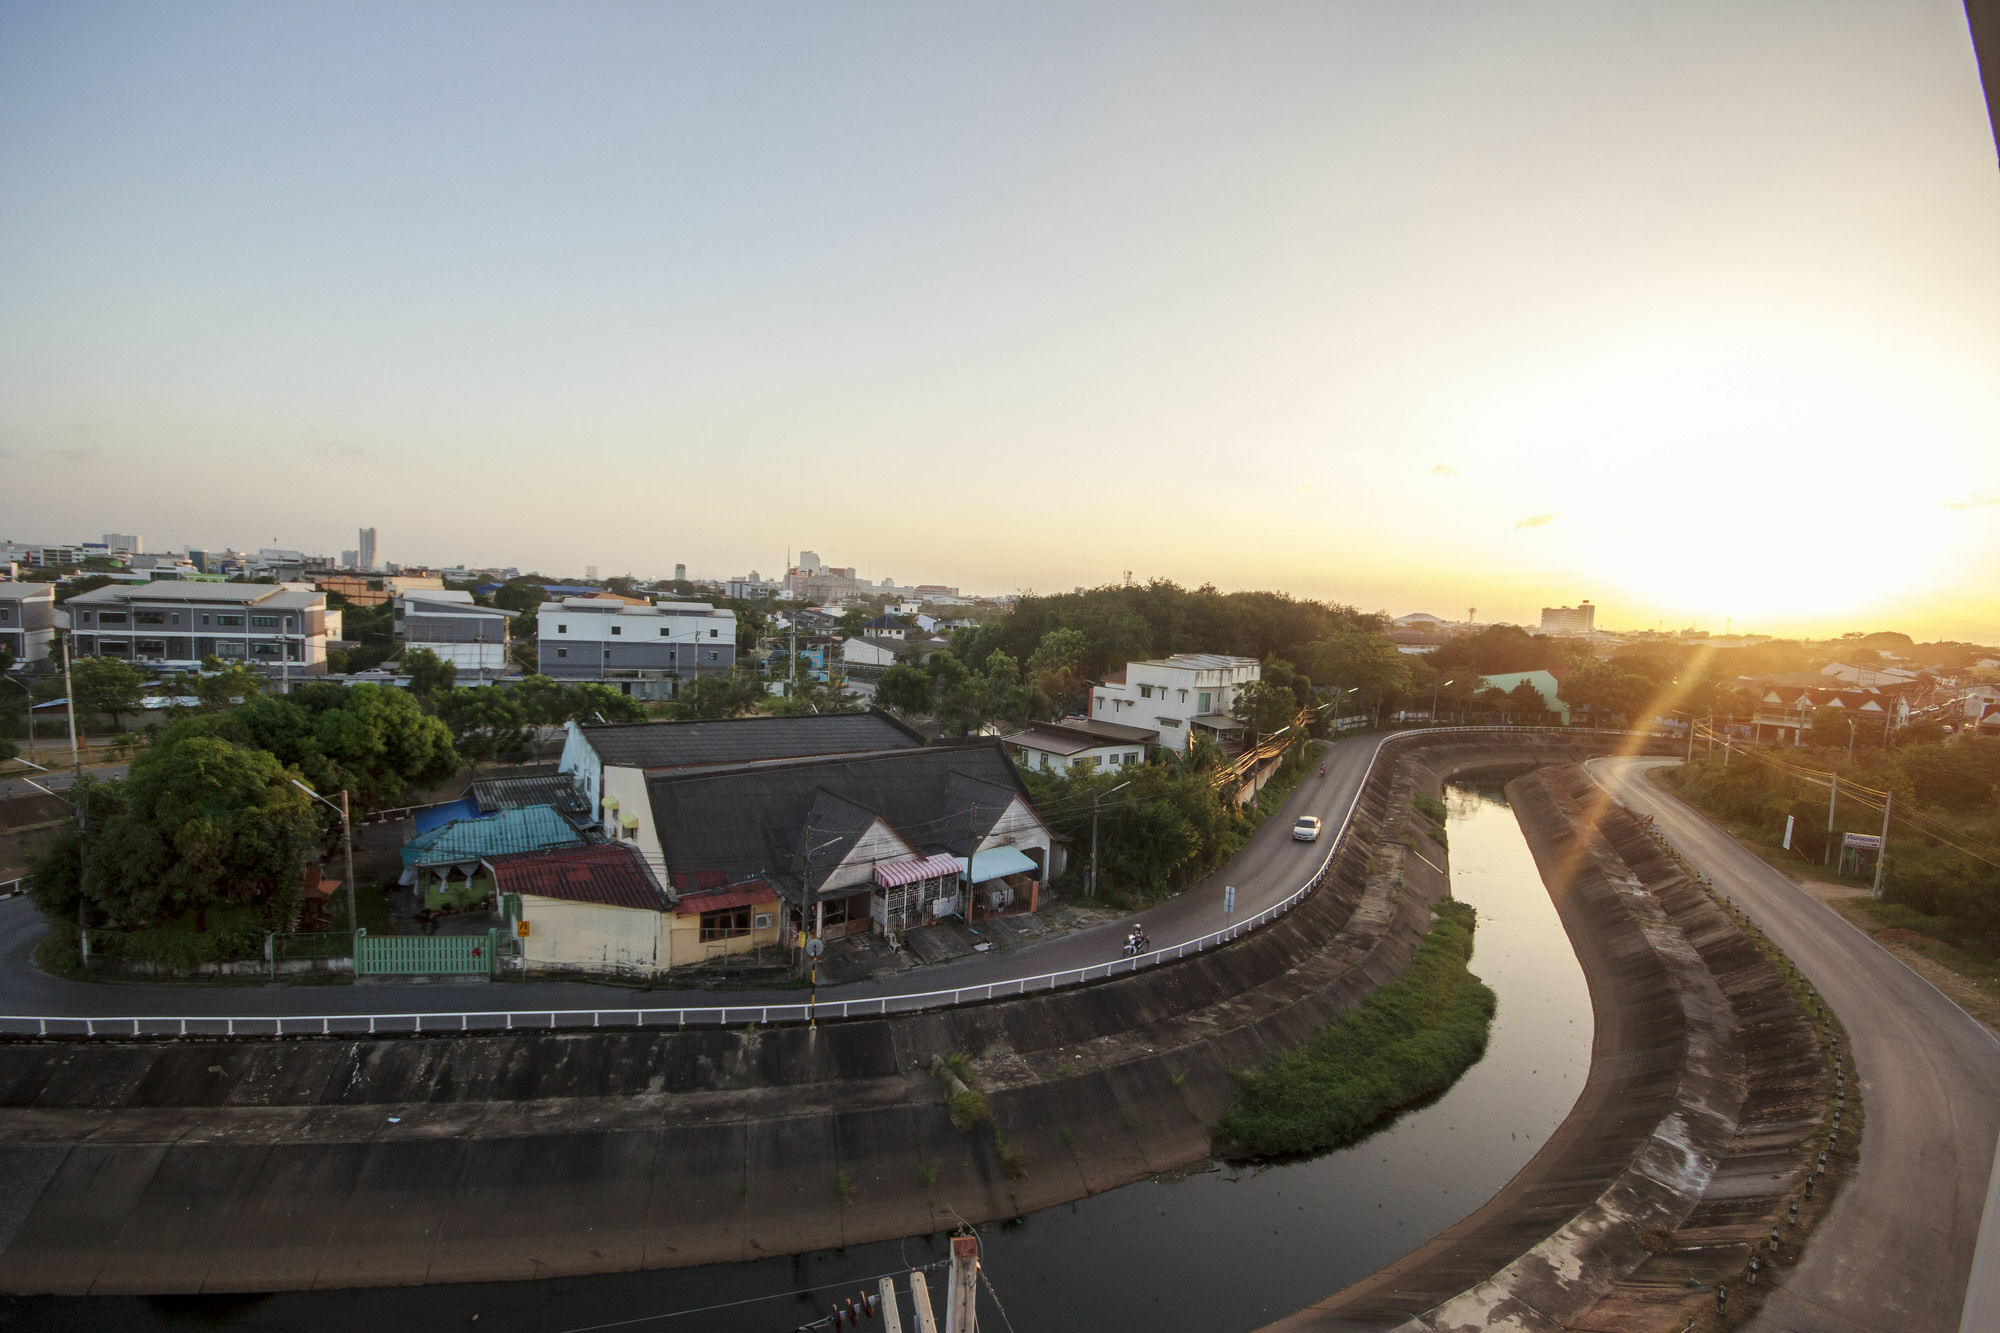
1218,1248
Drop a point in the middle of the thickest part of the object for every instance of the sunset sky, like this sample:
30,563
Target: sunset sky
1689,308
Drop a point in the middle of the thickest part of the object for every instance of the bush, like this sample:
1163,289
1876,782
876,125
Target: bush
1409,1040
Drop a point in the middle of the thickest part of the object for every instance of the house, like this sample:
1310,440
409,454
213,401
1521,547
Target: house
172,626
1788,711
865,842
886,626
643,649
1868,676
450,624
377,589
27,621
722,921
1416,642
591,908
608,765
1079,744
462,847
869,651
1178,697
1544,683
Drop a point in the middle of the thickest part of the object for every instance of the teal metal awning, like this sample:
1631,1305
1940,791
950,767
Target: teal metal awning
998,862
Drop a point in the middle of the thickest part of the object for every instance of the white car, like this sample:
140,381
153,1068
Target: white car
1307,829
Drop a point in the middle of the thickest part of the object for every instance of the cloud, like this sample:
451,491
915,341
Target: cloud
1536,521
79,453
1443,470
1976,502
334,447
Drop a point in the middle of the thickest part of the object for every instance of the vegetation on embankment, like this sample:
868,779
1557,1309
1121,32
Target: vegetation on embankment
1410,1040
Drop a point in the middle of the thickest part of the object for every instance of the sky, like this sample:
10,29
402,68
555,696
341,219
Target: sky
1692,309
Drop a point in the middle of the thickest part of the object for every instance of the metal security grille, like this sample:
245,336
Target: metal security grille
425,955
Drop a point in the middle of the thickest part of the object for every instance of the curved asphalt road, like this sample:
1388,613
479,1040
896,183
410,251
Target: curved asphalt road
1265,872
1897,1249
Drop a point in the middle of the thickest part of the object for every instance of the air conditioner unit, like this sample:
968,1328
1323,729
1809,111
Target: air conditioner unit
763,921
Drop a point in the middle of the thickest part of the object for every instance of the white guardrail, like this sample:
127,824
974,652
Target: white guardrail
511,1020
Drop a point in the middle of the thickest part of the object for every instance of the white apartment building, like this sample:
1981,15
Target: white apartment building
1179,696
644,650
172,626
27,621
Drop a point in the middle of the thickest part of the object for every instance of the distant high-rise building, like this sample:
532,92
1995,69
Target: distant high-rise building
809,562
590,572
350,559
680,573
125,541
367,553
1579,619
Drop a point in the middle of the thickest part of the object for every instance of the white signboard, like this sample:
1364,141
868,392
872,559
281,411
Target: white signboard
1862,842
1789,821
1228,899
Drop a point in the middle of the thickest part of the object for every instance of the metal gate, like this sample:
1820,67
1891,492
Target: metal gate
425,955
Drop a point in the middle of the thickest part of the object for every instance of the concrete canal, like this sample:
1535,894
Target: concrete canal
1217,1247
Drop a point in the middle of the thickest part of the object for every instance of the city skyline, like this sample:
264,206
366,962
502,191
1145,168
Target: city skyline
1414,309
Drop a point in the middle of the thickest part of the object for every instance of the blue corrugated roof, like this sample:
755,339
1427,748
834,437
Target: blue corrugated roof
531,828
426,820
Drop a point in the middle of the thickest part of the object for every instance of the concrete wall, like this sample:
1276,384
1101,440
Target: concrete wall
591,937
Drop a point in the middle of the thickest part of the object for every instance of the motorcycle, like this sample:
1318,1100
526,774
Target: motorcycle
1137,943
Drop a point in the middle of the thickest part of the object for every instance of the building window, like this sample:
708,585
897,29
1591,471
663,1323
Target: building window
152,647
729,924
1131,756
617,629
562,652
264,649
228,621
263,622
1145,691
149,617
714,633
711,654
111,618
663,631
562,629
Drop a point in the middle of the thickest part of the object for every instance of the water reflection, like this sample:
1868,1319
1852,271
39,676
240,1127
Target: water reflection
1216,1248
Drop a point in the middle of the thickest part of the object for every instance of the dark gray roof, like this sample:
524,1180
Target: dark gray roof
747,740
554,789
753,822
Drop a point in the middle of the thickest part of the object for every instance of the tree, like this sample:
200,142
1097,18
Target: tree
1265,707
1526,701
488,724
200,821
105,685
905,689
219,685
1363,661
431,677
707,698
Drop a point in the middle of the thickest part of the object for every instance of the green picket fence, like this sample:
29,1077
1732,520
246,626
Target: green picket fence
425,955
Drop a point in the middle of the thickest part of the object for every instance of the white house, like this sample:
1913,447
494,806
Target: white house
1178,696
873,652
1079,743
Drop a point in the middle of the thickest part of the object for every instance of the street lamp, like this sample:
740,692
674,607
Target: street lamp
346,845
1095,797
1434,699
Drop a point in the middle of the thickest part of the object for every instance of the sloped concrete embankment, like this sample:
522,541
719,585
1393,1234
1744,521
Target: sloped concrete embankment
1703,1107
260,1165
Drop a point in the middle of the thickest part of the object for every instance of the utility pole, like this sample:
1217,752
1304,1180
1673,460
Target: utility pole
1095,797
1882,852
962,1301
1826,854
971,854
82,819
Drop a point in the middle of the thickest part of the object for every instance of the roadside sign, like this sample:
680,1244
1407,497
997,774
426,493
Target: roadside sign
815,947
1862,842
1789,821
521,929
1228,899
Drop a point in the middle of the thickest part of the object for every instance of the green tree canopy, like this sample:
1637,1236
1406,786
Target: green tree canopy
488,724
431,677
105,685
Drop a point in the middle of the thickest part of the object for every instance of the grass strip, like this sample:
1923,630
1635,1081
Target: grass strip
1408,1041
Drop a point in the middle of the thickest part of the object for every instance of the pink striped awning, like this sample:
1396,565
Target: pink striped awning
897,873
